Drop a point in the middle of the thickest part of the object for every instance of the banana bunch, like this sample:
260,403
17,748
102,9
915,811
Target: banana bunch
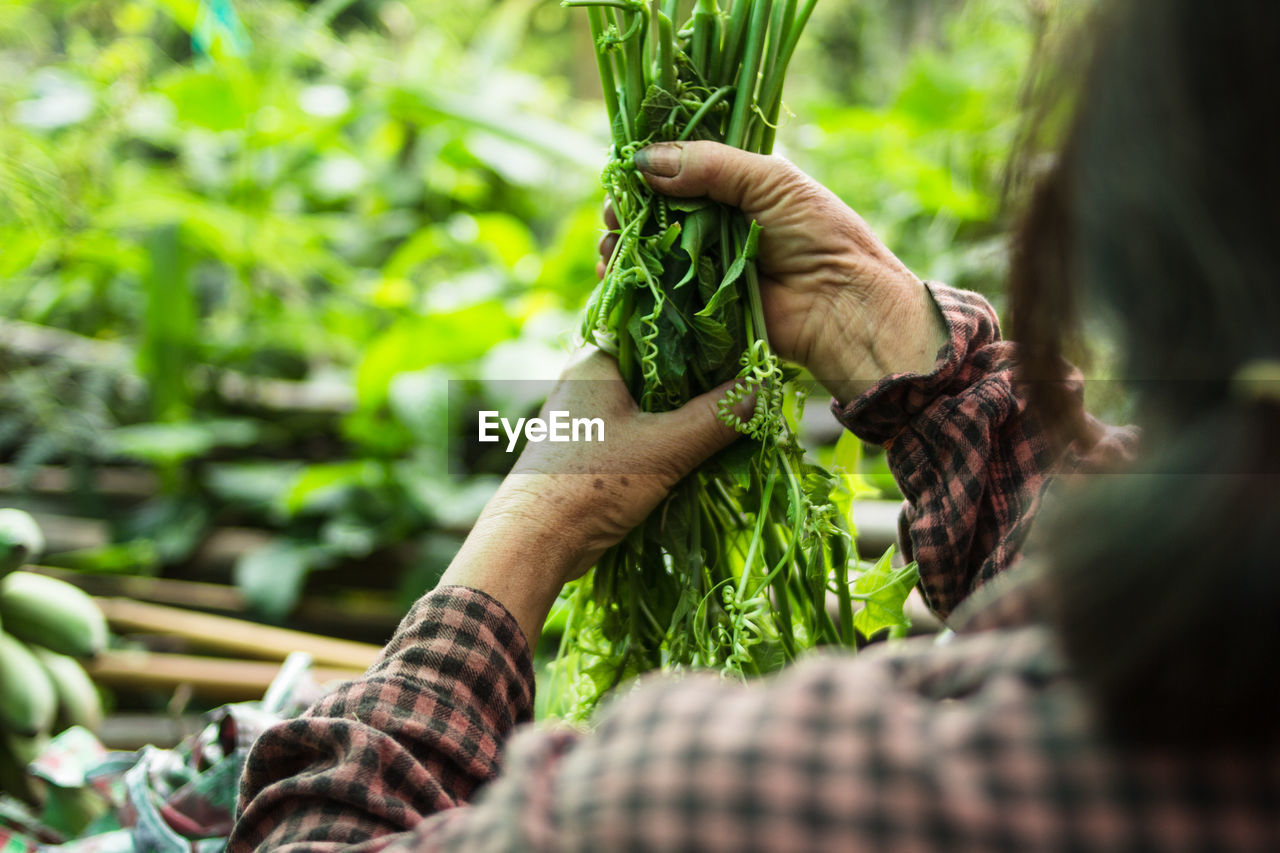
45,625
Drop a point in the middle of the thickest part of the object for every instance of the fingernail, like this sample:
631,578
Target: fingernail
661,159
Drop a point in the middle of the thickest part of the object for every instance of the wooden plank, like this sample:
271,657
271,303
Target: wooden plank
370,616
222,679
114,481
234,636
68,532
193,594
321,395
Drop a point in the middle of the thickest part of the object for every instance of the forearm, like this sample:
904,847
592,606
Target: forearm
516,556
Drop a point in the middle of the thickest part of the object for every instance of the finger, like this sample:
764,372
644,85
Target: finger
610,218
608,242
729,175
697,430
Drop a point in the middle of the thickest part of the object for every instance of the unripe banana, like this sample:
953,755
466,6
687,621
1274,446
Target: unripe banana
27,698
78,701
53,614
20,540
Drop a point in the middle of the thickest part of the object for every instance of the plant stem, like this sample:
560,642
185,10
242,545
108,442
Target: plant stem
635,85
739,15
706,37
772,93
748,73
605,64
716,97
757,534
666,41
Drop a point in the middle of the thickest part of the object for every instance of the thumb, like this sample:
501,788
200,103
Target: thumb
752,182
699,431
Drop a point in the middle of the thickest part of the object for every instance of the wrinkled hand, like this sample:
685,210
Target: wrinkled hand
564,503
836,299
596,492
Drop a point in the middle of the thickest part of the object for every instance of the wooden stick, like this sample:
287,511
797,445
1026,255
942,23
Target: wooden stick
34,342
370,616
177,593
234,636
215,678
113,481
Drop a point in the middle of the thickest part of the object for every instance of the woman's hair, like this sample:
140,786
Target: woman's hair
1162,214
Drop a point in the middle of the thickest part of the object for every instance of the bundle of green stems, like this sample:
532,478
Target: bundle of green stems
734,569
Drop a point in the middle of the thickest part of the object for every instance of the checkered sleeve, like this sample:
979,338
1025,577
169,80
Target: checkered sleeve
970,460
417,735
986,743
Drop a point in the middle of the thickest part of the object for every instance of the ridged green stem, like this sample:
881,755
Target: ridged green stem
607,82
727,61
748,72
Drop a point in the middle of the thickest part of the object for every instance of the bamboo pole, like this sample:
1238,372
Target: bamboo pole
234,636
369,615
213,678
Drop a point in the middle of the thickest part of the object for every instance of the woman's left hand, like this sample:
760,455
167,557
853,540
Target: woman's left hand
565,503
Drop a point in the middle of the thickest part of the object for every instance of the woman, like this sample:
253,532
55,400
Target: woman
1114,689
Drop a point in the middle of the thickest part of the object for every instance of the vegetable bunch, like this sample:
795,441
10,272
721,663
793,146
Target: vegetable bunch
733,571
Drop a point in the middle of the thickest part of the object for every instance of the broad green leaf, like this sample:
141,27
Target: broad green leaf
254,484
883,589
714,340
272,576
169,443
319,486
417,342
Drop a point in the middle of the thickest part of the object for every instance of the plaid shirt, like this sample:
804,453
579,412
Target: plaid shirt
984,743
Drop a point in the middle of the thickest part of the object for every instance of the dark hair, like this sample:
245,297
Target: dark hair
1162,212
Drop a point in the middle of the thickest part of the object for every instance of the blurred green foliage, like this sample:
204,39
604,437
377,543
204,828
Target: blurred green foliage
276,231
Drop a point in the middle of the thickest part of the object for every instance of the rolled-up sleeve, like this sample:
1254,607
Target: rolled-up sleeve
971,461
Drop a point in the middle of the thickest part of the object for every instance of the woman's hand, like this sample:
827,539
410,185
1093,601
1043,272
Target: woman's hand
836,299
564,503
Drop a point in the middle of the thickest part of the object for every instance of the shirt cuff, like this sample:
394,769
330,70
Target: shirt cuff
468,633
881,412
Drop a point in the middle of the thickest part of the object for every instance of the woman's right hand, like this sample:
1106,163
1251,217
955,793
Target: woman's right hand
836,299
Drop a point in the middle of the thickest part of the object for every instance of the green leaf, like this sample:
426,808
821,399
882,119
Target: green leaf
699,232
714,341
323,486
848,455
883,589
169,443
417,342
254,484
655,110
175,525
726,294
272,576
